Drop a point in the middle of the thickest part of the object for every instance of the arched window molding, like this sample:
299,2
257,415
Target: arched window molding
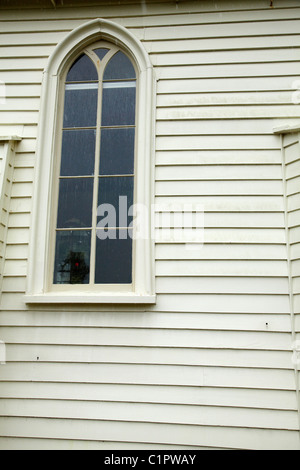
38,287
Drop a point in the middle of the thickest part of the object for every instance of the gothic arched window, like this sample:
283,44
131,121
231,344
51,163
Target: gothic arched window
94,172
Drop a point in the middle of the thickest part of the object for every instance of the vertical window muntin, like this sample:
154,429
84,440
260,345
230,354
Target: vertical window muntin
100,65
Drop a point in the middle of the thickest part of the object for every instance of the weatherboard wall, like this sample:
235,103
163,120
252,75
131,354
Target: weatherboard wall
210,364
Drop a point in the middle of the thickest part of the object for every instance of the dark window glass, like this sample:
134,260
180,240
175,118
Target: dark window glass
113,244
111,189
117,151
101,52
118,105
78,152
82,70
113,258
72,257
119,68
80,108
75,203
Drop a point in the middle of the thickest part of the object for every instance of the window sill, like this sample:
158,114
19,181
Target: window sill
82,298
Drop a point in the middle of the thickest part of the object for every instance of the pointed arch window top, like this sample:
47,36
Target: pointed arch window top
82,70
119,68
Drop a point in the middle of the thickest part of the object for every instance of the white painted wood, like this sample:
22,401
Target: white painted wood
210,365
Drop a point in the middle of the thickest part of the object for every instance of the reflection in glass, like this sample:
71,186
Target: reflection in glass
72,257
118,105
114,259
75,202
111,189
119,68
117,151
80,109
82,70
78,152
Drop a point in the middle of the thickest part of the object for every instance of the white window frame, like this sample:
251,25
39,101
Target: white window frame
38,288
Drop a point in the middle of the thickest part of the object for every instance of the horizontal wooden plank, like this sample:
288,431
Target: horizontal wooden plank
20,118
15,267
294,218
219,30
293,169
16,252
172,414
184,218
214,251
22,104
19,236
153,374
15,443
23,175
226,235
222,99
192,142
242,438
225,187
214,44
228,112
22,204
159,320
216,128
222,268
160,356
221,285
290,139
293,202
213,157
223,303
292,186
209,172
149,337
294,235
225,57
21,190
29,39
228,70
23,64
249,398
223,84
22,51
292,153
37,27
232,203
14,284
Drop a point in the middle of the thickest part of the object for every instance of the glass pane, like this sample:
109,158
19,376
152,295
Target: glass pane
101,52
117,151
72,257
113,257
118,105
80,108
83,70
119,68
118,193
75,203
78,152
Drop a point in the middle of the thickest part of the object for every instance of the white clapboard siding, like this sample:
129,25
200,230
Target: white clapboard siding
291,148
210,365
7,154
